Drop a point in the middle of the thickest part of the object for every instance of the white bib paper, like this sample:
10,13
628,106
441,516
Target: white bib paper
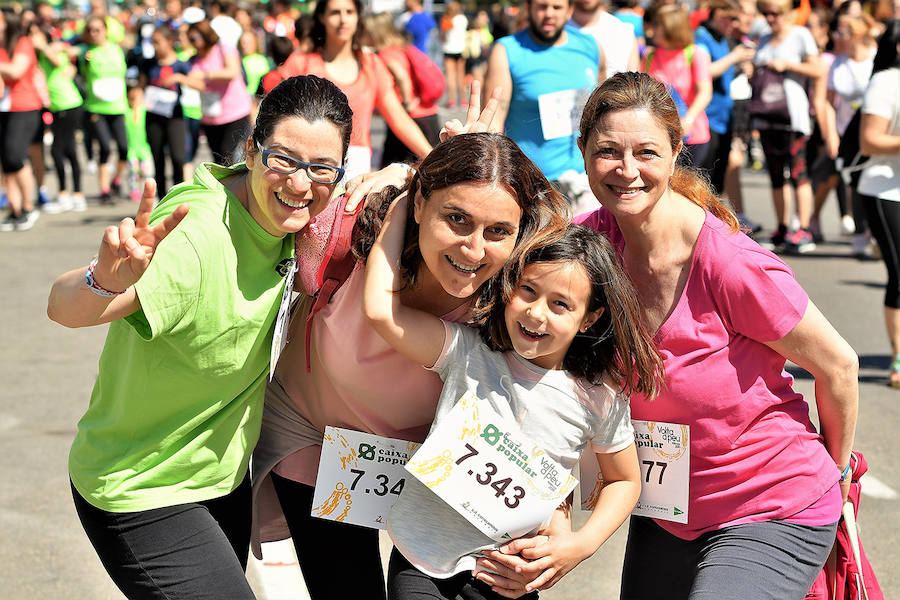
160,101
279,337
483,466
360,477
664,453
560,112
211,104
190,98
5,101
108,89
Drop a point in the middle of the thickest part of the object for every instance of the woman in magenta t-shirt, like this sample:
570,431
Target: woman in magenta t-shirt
764,487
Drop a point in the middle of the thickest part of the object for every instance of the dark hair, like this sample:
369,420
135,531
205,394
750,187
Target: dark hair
490,158
630,90
617,344
306,96
210,37
317,29
14,30
167,32
280,48
886,55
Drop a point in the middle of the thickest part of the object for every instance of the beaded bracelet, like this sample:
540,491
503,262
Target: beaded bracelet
95,287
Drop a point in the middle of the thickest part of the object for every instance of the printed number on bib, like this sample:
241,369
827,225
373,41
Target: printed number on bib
360,477
211,104
482,465
160,101
560,112
664,455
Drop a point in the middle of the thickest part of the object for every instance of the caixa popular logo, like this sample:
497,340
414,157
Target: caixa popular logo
367,451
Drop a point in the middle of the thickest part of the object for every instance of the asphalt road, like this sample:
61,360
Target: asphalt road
49,370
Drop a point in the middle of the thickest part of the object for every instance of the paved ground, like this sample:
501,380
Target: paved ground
49,371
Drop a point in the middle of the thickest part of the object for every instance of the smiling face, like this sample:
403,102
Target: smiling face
548,308
629,160
466,233
340,20
283,203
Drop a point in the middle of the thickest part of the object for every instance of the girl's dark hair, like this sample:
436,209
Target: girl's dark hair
317,29
489,158
617,345
638,91
306,96
14,30
167,32
209,35
886,55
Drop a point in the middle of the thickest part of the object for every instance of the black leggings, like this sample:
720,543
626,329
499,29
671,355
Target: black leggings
884,222
405,582
225,140
65,122
16,132
106,128
188,551
319,543
163,133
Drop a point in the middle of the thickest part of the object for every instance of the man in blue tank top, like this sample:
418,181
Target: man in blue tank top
547,71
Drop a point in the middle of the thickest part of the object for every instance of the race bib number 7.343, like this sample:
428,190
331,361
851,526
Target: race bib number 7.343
485,468
664,454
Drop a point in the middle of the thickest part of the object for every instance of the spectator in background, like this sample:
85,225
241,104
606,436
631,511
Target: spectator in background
615,38
453,42
221,18
629,11
419,25
478,45
253,62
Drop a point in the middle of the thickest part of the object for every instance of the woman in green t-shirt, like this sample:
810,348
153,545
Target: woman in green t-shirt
102,64
159,466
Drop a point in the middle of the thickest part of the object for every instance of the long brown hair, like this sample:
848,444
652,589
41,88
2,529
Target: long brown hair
638,91
490,158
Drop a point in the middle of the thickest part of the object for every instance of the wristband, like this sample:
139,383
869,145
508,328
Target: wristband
95,287
845,472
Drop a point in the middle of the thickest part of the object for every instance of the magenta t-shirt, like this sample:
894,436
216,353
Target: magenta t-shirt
755,455
671,67
223,101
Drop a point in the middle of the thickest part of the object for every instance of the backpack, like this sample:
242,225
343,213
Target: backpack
680,104
427,78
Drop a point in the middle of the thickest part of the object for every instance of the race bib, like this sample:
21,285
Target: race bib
279,337
664,454
211,104
160,101
5,101
560,112
190,98
483,466
360,477
108,89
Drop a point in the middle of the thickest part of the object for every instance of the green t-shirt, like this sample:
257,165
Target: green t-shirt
64,93
255,68
190,98
103,68
176,408
136,132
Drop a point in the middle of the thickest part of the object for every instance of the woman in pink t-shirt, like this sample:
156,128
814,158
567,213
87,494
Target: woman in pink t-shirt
336,35
477,198
762,485
225,102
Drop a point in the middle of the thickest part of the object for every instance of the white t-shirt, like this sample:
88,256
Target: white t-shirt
455,37
228,30
565,415
848,78
615,38
794,48
881,177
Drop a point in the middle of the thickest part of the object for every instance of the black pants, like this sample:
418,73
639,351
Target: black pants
166,133
338,561
194,551
65,123
396,151
405,582
884,222
105,129
716,160
16,132
225,140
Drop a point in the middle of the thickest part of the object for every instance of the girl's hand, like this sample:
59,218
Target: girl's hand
779,65
359,188
477,120
549,558
126,250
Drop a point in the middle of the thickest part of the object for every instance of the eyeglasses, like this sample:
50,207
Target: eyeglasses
282,163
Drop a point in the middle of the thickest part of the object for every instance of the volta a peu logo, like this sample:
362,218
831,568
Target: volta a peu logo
367,451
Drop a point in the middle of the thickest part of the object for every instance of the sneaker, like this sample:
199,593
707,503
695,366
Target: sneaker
92,167
27,219
9,223
776,240
800,242
60,205
816,230
106,198
79,204
42,197
116,187
848,225
862,247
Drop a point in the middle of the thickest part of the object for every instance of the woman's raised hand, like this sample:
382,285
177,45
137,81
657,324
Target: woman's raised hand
126,250
477,120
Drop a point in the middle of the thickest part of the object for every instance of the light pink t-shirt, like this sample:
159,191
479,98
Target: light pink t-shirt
671,67
234,100
755,455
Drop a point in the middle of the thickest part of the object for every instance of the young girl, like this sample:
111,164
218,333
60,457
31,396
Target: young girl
559,338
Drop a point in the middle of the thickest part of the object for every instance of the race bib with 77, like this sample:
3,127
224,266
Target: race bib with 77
483,466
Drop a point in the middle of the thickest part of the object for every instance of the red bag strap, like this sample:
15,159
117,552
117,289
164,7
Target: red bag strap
336,266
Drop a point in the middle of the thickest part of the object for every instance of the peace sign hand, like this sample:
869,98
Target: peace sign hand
477,120
126,250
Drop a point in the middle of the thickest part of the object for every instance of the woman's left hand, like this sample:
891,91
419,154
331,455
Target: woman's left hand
359,188
477,120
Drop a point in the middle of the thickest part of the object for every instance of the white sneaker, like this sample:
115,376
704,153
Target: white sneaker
8,223
92,167
848,226
60,205
27,220
79,204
